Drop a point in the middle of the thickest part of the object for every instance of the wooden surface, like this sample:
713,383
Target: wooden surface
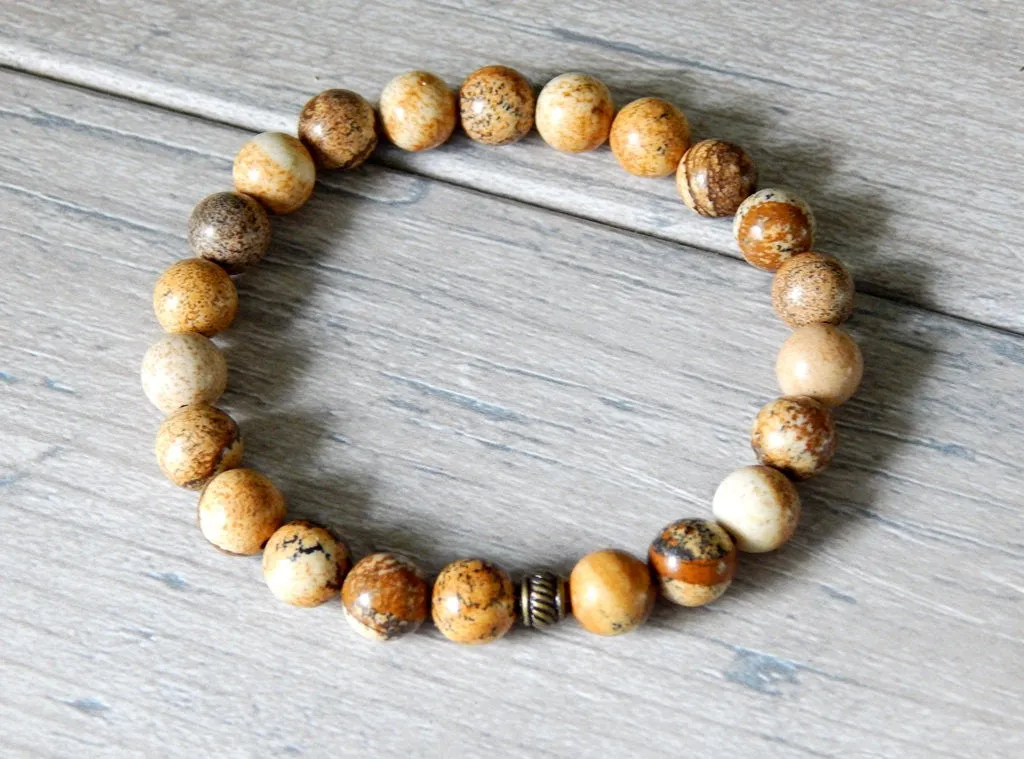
521,355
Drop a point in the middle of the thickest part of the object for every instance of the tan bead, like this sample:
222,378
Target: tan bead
304,564
339,128
230,229
759,507
239,510
695,561
574,113
497,105
649,137
473,601
772,225
611,592
180,369
795,435
385,596
195,295
715,177
417,111
196,443
277,170
811,288
820,361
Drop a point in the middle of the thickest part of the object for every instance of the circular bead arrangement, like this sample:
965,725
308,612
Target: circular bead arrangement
691,562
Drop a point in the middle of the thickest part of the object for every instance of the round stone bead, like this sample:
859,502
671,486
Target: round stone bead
497,105
574,113
196,443
277,170
339,128
820,361
385,596
695,561
795,435
811,288
715,177
417,110
180,369
649,137
611,592
195,295
772,225
759,507
473,601
239,510
304,564
230,229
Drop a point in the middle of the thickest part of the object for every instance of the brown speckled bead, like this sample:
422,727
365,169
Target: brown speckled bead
417,111
497,105
180,369
385,596
277,170
649,137
197,442
304,564
239,510
473,601
195,295
759,507
715,177
795,435
230,229
611,592
772,225
694,560
339,128
574,113
820,361
811,288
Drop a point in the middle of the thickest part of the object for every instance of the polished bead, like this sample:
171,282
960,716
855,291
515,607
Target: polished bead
239,510
611,592
715,177
197,442
759,507
339,128
574,113
772,225
694,560
543,599
473,601
795,435
649,137
385,596
277,170
497,105
230,229
304,564
195,295
180,369
812,288
417,110
820,361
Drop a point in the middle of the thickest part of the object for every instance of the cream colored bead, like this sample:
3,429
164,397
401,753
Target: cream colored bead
417,111
821,362
239,510
304,564
574,113
277,170
181,369
759,507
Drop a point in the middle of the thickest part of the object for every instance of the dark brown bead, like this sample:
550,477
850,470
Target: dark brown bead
339,128
230,229
715,177
385,596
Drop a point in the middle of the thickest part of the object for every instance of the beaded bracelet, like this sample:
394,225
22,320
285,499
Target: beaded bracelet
692,561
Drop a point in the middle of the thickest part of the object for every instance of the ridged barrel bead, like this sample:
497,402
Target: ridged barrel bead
497,105
277,170
694,560
574,113
385,596
239,510
795,435
812,288
196,443
649,137
473,602
195,295
304,564
715,177
771,226
338,128
543,599
230,229
417,111
180,369
759,507
820,361
611,592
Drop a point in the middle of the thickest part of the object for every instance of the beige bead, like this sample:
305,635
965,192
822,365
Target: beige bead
795,435
196,443
812,288
239,510
195,295
759,507
496,104
574,113
180,369
611,592
649,137
304,564
473,602
277,170
417,111
339,128
822,362
772,225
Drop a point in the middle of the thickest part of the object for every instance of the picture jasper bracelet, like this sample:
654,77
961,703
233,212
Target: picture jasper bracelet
692,561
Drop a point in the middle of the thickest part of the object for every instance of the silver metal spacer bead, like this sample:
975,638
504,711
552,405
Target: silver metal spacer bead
543,599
